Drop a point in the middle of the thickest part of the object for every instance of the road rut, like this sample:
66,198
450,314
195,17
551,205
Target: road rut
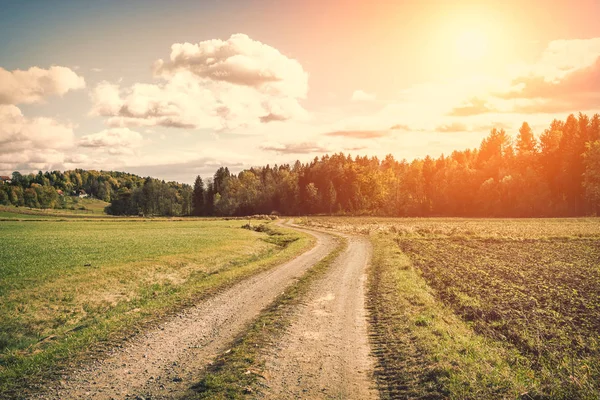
325,353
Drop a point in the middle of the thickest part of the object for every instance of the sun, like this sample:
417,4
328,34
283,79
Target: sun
471,45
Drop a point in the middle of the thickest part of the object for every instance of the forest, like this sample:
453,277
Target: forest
555,173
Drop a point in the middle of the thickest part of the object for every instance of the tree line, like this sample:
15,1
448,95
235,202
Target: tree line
554,174
128,194
48,189
153,197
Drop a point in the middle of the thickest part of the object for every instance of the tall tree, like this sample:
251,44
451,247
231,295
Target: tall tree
526,142
209,204
198,203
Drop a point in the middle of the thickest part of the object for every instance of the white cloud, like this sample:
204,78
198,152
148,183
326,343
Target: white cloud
566,78
76,158
238,60
360,95
217,85
106,99
33,85
562,57
20,133
32,143
36,143
114,141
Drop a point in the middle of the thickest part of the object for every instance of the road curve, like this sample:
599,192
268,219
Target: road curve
325,353
164,362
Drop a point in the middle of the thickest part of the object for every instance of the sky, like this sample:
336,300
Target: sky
177,89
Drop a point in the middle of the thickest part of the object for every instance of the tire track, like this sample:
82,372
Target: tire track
325,353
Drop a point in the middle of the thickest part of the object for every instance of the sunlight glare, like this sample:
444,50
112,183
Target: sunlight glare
471,45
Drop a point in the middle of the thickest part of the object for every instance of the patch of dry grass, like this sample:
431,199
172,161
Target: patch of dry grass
517,228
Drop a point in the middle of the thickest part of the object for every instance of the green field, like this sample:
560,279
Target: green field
468,308
67,284
9,214
74,206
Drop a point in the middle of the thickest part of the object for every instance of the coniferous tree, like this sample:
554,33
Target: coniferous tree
209,205
198,204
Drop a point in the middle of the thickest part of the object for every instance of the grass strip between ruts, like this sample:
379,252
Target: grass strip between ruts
237,373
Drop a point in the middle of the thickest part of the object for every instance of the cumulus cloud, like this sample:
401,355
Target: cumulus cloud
562,57
360,95
294,148
584,80
76,158
217,85
20,133
106,99
565,78
32,143
171,104
359,134
35,84
238,60
114,141
579,89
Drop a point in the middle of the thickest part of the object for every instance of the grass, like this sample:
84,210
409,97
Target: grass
86,205
7,214
68,285
238,372
483,308
74,206
423,349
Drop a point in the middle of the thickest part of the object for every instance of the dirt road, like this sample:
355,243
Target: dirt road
325,353
163,363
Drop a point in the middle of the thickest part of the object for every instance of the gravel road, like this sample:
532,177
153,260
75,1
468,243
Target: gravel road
165,362
325,353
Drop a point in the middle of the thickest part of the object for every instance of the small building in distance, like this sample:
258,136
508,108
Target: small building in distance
5,179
